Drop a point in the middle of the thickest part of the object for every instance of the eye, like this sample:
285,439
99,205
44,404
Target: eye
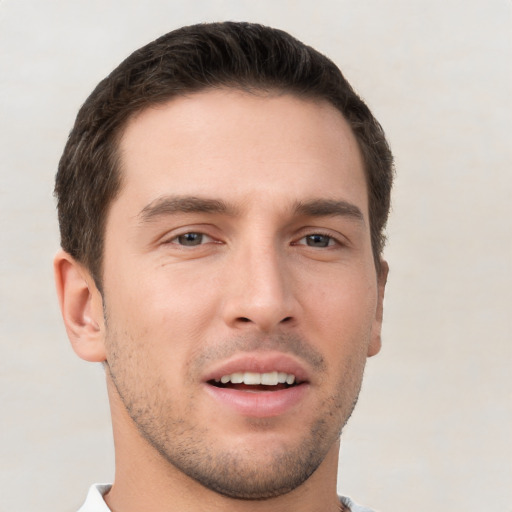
317,240
191,239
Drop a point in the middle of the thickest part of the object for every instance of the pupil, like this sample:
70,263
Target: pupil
190,239
318,240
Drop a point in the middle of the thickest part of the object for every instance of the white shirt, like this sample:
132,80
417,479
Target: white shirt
96,503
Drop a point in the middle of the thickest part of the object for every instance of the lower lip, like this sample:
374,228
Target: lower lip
259,404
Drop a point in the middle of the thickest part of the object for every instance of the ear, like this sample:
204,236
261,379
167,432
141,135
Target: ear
81,305
376,341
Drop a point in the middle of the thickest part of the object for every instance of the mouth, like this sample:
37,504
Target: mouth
258,385
256,382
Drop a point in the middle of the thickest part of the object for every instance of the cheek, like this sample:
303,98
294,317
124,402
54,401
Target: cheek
157,318
342,312
343,291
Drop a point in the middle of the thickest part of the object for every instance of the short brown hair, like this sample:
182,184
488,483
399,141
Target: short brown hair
190,59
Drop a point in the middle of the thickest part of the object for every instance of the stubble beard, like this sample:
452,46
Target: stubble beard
239,473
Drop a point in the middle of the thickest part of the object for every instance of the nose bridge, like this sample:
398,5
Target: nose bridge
260,292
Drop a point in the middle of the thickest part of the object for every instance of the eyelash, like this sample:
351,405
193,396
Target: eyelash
176,238
331,241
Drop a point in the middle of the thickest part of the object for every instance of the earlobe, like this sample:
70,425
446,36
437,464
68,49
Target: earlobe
376,341
81,307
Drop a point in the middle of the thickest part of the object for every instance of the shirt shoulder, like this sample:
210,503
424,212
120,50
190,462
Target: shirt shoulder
94,501
354,507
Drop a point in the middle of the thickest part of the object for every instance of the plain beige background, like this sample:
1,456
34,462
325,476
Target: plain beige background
433,427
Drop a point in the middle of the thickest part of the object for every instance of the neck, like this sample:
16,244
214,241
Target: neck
145,480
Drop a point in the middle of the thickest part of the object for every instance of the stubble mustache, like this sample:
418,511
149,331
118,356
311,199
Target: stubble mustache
291,344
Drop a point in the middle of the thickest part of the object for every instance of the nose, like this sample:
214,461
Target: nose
259,290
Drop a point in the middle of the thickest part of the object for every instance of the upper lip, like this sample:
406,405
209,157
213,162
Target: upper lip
258,362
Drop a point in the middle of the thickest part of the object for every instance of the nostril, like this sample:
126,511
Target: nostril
243,319
287,319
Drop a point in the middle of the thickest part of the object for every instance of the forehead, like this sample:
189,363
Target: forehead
233,143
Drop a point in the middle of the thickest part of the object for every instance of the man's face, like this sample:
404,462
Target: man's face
240,291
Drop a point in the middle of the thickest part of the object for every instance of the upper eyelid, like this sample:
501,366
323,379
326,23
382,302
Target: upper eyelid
171,238
335,240
203,229
313,230
212,232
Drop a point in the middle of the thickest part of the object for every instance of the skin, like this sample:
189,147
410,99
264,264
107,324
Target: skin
189,285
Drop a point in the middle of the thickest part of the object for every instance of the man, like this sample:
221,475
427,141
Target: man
222,199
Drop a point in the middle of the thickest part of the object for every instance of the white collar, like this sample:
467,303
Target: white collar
94,501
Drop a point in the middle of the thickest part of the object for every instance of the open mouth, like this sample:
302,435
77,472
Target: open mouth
253,381
251,388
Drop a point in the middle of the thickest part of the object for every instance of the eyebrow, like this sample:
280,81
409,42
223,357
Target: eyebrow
329,208
167,205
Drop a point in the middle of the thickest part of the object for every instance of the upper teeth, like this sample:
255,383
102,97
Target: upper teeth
252,378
